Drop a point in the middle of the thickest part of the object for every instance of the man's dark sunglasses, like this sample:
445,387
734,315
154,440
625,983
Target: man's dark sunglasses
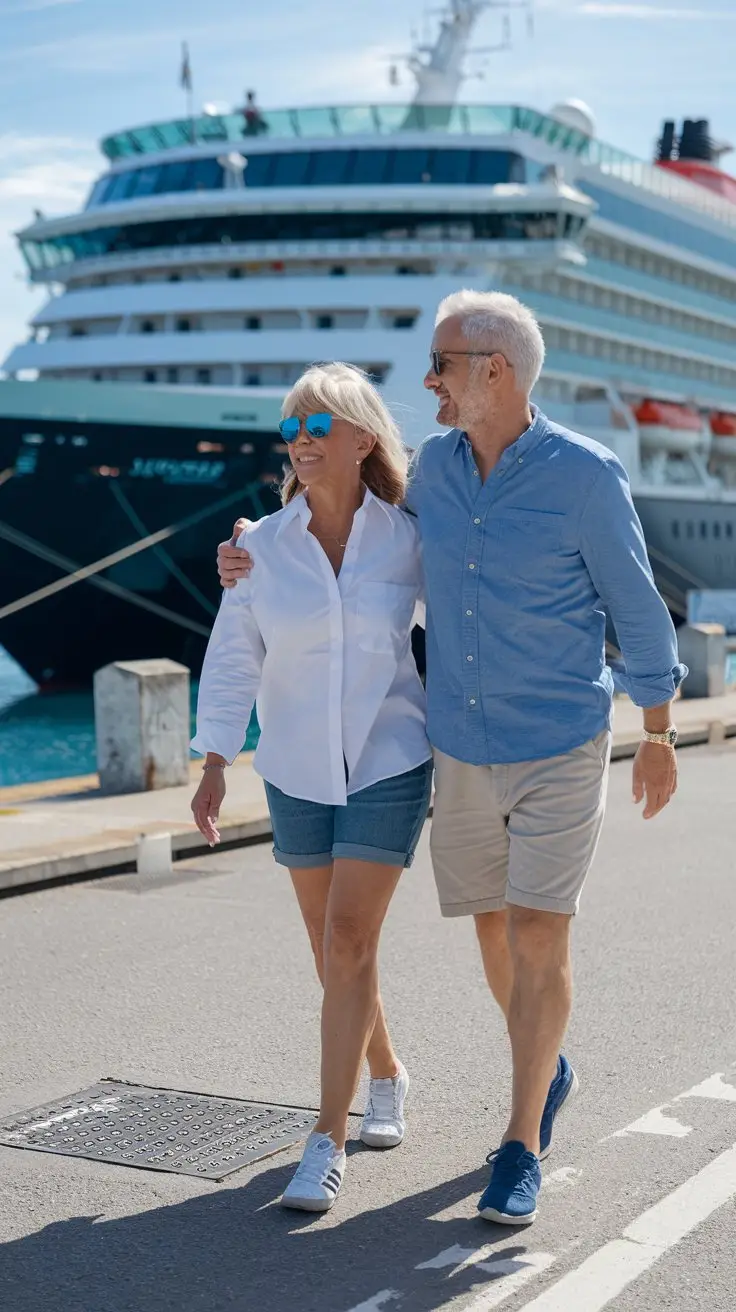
316,425
438,363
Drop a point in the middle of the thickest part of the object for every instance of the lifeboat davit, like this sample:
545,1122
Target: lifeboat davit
723,428
667,427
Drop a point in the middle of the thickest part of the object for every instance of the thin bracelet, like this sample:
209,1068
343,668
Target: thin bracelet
214,765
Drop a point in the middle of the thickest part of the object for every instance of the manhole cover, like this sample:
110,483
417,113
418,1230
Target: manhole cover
158,1129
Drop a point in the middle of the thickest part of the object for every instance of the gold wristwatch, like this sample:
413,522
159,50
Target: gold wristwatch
667,739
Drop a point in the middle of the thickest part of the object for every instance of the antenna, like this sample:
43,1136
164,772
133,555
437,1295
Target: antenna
439,68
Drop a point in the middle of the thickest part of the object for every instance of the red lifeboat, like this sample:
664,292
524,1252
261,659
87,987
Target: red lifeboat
723,428
666,426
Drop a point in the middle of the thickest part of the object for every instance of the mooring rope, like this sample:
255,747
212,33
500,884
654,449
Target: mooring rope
163,555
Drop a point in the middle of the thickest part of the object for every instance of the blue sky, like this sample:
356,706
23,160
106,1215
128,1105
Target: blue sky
73,70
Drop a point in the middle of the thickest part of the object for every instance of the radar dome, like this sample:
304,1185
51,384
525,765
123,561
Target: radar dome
575,114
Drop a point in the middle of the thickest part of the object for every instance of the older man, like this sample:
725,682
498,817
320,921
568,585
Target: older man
529,535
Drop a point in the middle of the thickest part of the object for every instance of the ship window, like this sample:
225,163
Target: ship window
206,175
716,530
253,323
149,376
183,325
370,167
675,528
120,187
690,529
492,166
77,330
338,271
409,166
148,326
291,168
729,530
174,177
451,166
703,529
174,277
404,321
172,374
325,320
235,273
204,377
259,170
252,380
331,167
144,182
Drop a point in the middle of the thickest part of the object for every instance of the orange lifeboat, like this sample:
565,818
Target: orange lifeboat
723,428
665,426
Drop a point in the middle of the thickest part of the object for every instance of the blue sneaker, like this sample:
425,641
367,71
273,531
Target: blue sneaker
511,1194
563,1085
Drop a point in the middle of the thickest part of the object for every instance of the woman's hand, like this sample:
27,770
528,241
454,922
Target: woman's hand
233,562
206,804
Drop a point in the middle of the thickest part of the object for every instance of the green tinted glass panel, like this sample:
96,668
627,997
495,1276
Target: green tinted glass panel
316,123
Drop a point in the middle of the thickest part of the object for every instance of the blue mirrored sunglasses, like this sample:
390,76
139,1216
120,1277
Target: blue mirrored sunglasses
316,426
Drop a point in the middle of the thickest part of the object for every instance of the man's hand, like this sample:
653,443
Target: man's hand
655,773
233,562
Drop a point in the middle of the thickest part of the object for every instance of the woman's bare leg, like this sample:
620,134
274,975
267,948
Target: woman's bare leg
312,888
359,896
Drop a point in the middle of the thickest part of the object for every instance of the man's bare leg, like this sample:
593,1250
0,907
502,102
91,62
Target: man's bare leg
541,999
491,928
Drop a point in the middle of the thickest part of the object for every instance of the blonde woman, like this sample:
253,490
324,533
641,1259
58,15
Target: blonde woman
319,637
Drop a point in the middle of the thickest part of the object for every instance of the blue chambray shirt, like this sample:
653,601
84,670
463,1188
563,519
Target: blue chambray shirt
519,572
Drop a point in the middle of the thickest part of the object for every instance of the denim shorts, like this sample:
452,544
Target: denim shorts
381,823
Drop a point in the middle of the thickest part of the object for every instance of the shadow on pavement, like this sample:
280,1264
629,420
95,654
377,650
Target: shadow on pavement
235,1250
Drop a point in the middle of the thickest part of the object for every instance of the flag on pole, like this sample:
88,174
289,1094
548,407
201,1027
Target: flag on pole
185,77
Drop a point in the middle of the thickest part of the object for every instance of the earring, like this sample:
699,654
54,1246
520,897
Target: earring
359,462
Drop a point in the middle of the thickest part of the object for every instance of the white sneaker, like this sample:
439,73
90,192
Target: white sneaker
316,1182
383,1123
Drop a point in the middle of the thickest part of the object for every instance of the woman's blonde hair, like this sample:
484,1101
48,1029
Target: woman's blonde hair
345,391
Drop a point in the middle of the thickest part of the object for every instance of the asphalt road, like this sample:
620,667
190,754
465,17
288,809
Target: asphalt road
205,982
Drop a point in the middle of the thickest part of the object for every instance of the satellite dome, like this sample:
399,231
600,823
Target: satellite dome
575,114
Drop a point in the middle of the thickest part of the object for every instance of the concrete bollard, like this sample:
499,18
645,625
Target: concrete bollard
153,855
142,725
703,648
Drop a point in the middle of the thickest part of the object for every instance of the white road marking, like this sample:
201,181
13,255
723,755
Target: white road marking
602,1276
509,1274
378,1301
456,1256
654,1122
562,1178
714,1087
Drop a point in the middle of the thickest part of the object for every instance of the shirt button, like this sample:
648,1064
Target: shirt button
475,473
468,612
472,701
471,566
521,460
468,658
476,521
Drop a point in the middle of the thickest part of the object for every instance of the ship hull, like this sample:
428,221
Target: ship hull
68,504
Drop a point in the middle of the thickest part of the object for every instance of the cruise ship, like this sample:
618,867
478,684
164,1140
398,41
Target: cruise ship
218,254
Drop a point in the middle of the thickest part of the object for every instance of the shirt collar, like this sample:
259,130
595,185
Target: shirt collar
298,508
524,443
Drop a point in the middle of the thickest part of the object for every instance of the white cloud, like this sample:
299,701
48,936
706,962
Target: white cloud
601,9
49,173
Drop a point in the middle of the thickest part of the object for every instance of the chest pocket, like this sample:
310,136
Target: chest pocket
528,541
384,613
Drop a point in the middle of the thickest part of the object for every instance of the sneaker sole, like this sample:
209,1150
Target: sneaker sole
503,1218
309,1204
379,1140
572,1089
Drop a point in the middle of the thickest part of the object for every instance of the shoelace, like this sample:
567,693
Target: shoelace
314,1165
506,1167
383,1100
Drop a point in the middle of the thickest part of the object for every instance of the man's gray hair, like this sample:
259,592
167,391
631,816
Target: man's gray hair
493,321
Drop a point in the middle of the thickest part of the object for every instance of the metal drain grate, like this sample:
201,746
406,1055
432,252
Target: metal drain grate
158,1129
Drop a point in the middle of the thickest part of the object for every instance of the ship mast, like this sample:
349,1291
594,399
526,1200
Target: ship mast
439,68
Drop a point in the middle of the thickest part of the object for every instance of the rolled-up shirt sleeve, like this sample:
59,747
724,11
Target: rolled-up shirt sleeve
231,675
613,548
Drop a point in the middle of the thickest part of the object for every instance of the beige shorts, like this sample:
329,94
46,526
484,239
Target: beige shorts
524,833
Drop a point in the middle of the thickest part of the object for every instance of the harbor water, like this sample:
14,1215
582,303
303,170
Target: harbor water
50,736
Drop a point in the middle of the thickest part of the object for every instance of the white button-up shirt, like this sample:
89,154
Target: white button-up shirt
327,660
